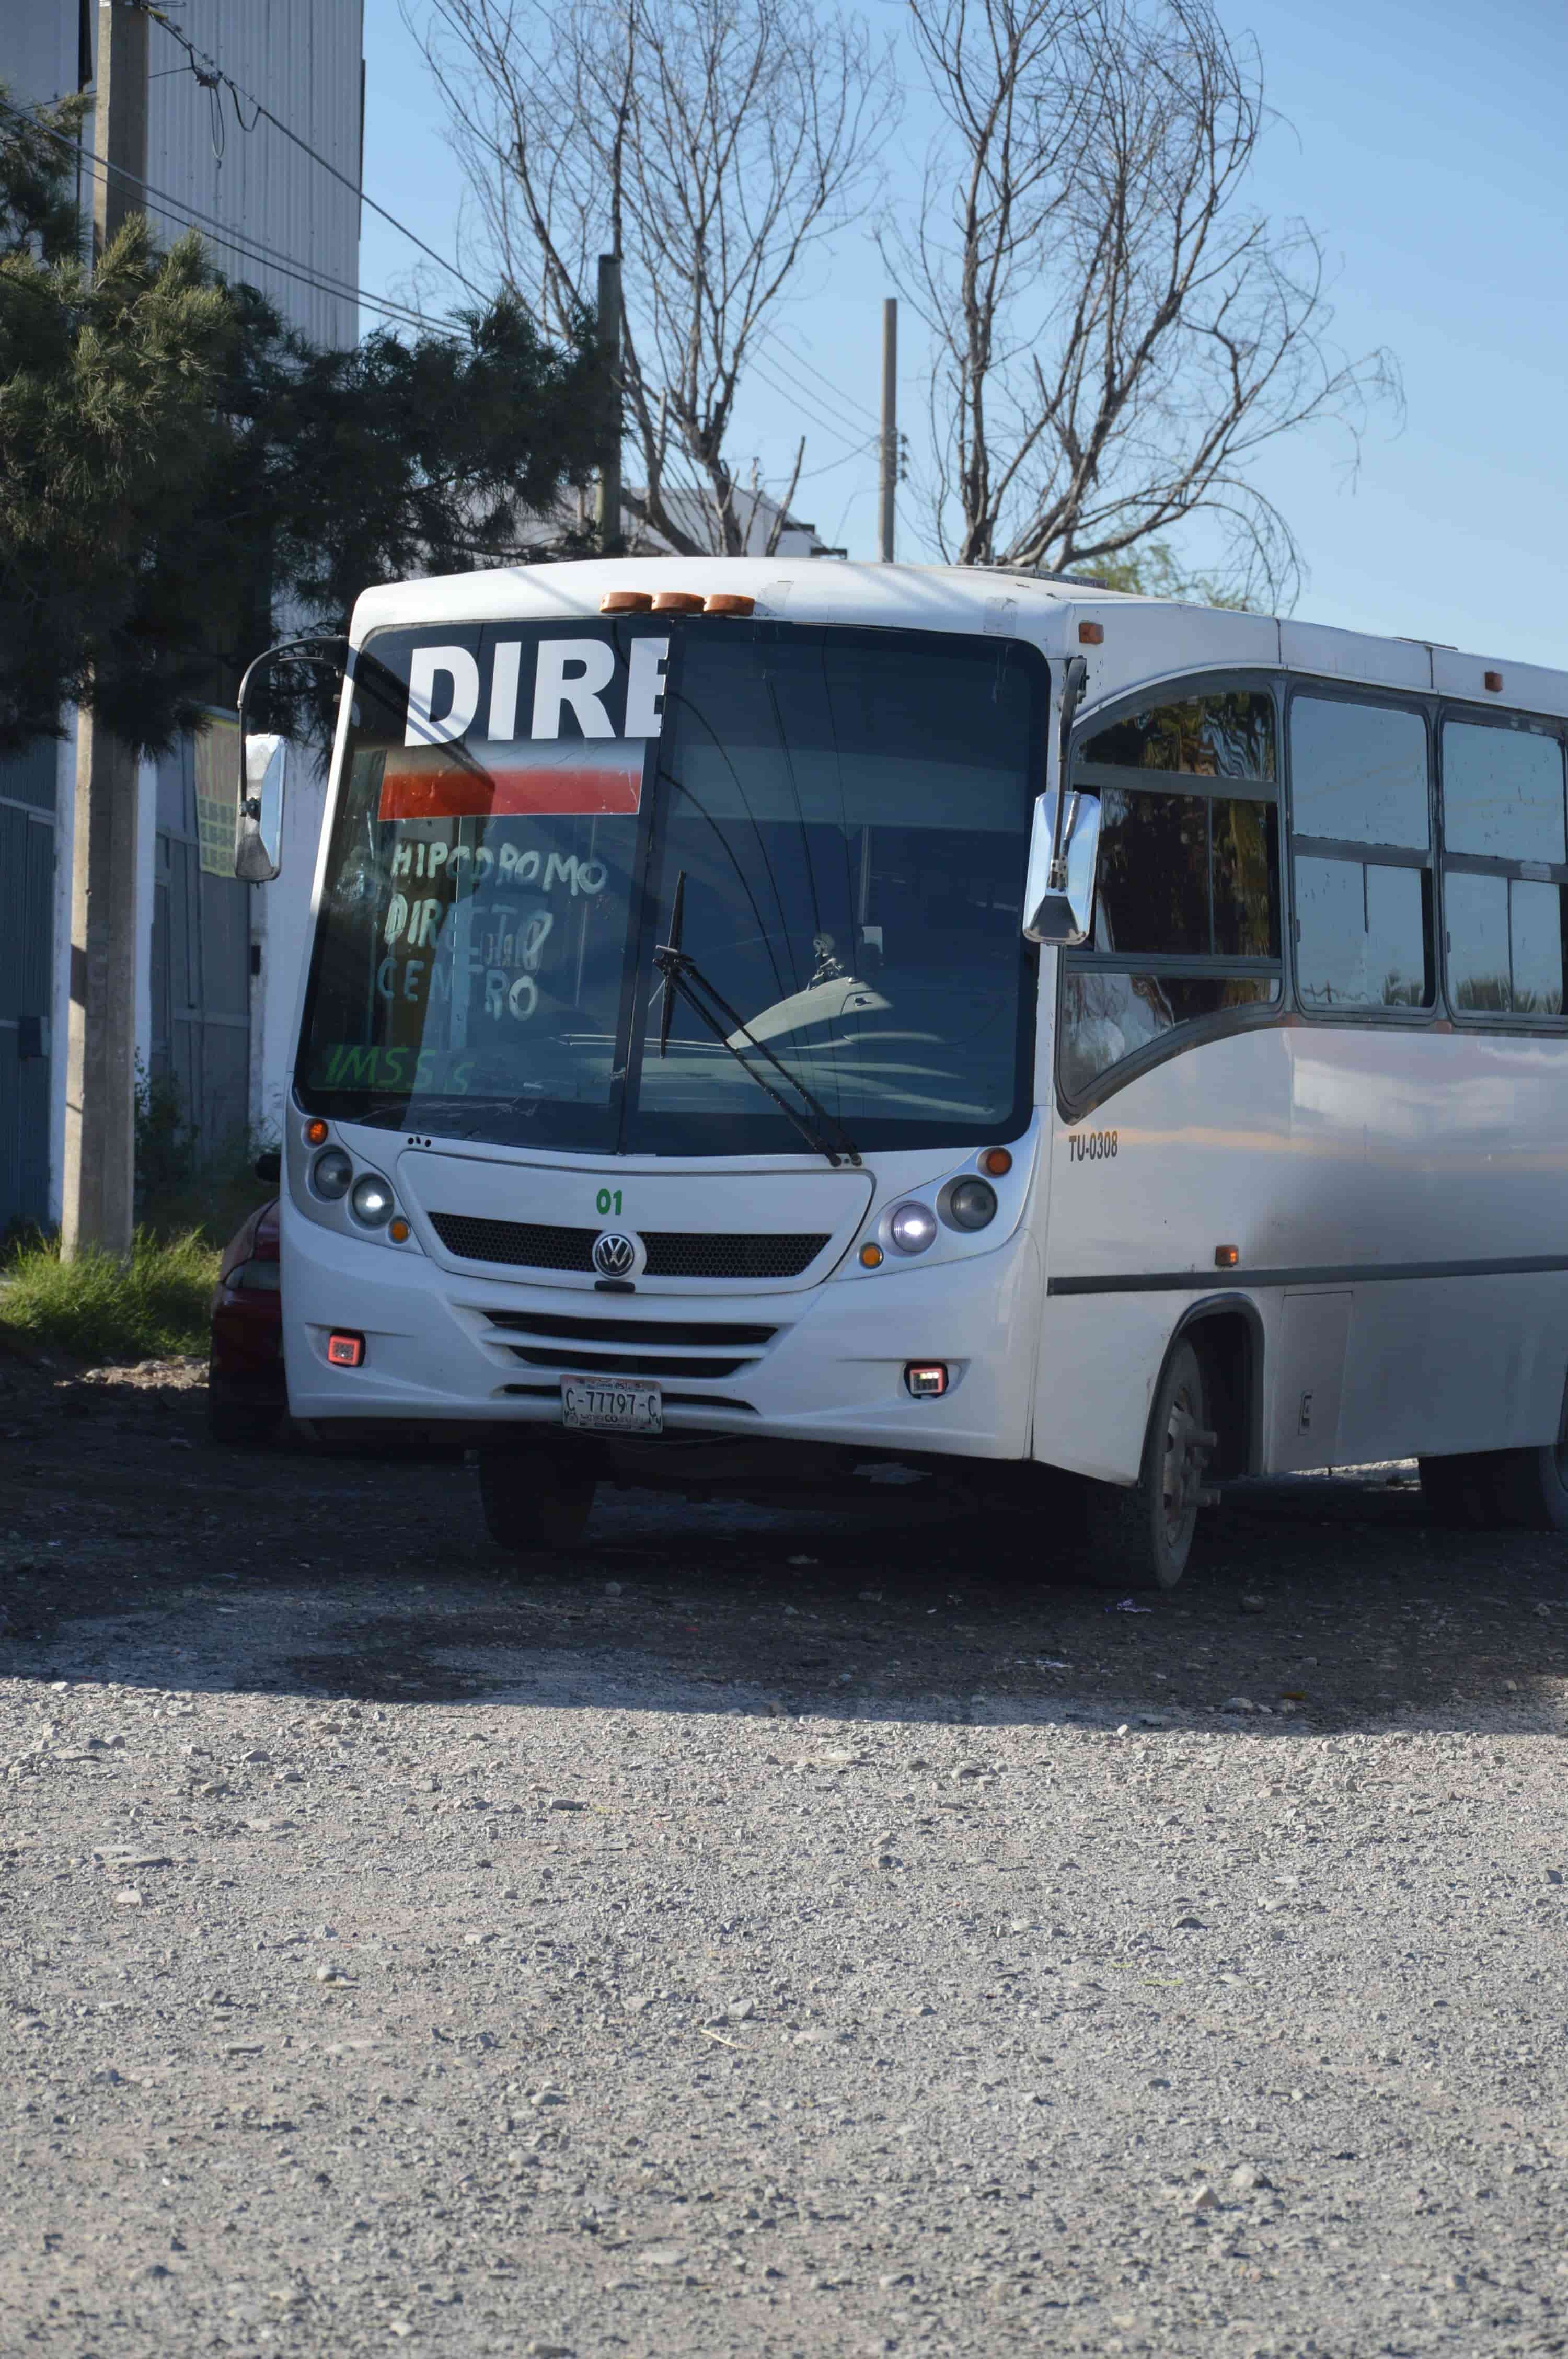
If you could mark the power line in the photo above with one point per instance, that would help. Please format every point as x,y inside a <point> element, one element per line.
<point>797,393</point>
<point>771,336</point>
<point>252,249</point>
<point>209,73</point>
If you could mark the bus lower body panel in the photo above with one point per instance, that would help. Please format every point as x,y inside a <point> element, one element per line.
<point>826,1365</point>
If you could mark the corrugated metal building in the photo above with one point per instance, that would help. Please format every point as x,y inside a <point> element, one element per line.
<point>217,960</point>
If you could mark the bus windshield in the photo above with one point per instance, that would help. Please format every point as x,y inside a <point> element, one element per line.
<point>844,814</point>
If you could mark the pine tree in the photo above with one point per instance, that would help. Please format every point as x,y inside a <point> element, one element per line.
<point>182,476</point>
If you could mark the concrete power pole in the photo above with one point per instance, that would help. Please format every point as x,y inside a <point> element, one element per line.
<point>100,1095</point>
<point>607,508</point>
<point>889,423</point>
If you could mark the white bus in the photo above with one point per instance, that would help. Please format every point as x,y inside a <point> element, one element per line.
<point>727,1061</point>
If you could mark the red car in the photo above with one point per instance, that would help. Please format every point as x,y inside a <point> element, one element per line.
<point>247,1393</point>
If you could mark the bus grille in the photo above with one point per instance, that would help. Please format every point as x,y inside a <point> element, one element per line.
<point>672,1253</point>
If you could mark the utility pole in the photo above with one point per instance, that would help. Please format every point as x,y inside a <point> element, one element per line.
<point>607,509</point>
<point>889,423</point>
<point>101,1051</point>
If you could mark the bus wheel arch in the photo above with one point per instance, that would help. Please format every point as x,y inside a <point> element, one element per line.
<point>1205,1418</point>
<point>1226,1330</point>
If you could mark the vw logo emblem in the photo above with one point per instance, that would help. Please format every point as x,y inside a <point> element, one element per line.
<point>613,1253</point>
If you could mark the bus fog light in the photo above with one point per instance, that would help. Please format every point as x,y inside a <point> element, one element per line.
<point>912,1227</point>
<point>346,1351</point>
<point>372,1200</point>
<point>971,1204</point>
<point>927,1379</point>
<point>330,1174</point>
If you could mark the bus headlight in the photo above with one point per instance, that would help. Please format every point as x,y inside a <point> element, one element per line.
<point>912,1227</point>
<point>971,1204</point>
<point>330,1174</point>
<point>371,1201</point>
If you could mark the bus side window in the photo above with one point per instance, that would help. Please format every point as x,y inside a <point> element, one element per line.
<point>1504,869</point>
<point>1361,838</point>
<point>1187,909</point>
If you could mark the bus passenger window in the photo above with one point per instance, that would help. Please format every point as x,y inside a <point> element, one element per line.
<point>1504,869</point>
<point>1363,935</point>
<point>1502,792</point>
<point>1188,883</point>
<point>1359,772</point>
<point>1363,925</point>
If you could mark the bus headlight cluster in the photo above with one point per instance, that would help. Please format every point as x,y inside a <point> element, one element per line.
<point>912,1227</point>
<point>371,1200</point>
<point>968,1203</point>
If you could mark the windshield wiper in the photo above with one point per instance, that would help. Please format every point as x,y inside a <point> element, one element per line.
<point>821,1131</point>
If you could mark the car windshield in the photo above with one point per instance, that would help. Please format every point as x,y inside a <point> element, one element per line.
<point>845,815</point>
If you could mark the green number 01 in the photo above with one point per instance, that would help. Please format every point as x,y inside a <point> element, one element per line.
<point>608,1201</point>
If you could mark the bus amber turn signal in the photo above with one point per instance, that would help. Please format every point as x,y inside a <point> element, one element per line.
<point>1225,1257</point>
<point>399,1230</point>
<point>870,1256</point>
<point>316,1133</point>
<point>996,1162</point>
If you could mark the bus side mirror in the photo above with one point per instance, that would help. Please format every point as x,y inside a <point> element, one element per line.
<point>263,756</point>
<point>1059,907</point>
<point>259,836</point>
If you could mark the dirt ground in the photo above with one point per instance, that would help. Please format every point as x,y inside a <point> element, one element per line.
<point>766,1934</point>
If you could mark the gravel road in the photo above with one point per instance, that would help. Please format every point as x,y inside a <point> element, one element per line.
<point>770,1935</point>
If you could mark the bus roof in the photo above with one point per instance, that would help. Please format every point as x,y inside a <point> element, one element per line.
<point>1144,639</point>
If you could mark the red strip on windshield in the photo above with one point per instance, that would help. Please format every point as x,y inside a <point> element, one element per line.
<point>575,780</point>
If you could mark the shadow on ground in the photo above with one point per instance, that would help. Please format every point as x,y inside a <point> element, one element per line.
<point>134,1551</point>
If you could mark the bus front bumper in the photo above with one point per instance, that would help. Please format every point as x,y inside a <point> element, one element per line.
<point>831,1369</point>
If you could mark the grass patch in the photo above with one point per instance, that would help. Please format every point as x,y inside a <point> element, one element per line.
<point>153,1307</point>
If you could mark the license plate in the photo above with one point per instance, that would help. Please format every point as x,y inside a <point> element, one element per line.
<point>592,1404</point>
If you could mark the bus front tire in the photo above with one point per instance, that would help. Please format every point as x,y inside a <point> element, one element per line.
<point>1141,1538</point>
<point>1465,1490</point>
<point>536,1501</point>
<point>1530,1488</point>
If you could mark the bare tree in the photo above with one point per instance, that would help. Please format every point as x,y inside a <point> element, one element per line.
<point>711,144</point>
<point>1118,331</point>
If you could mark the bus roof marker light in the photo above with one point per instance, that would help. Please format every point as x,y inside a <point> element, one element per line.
<point>1494,682</point>
<point>1091,634</point>
<point>727,601</point>
<point>1227,1256</point>
<point>678,601</point>
<point>626,601</point>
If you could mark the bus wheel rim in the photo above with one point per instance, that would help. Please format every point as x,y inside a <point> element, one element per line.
<point>1182,1473</point>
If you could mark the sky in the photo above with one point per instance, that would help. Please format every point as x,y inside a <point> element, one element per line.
<point>1423,143</point>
